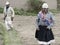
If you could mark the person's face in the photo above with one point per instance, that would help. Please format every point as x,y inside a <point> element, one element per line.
<point>45,10</point>
<point>8,5</point>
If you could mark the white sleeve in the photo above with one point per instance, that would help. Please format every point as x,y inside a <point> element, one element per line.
<point>12,12</point>
<point>4,12</point>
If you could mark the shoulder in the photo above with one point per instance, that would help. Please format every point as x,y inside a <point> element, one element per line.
<point>10,7</point>
<point>40,13</point>
<point>50,13</point>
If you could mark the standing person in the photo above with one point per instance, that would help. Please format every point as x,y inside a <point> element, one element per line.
<point>45,21</point>
<point>8,16</point>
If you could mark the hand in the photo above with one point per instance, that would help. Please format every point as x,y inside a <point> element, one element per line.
<point>3,18</point>
<point>37,28</point>
<point>11,18</point>
<point>49,27</point>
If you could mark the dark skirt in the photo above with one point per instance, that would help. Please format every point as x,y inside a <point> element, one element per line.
<point>44,34</point>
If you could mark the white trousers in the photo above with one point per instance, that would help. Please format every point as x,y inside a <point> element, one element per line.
<point>8,24</point>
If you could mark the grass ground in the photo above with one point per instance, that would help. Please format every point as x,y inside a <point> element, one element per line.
<point>9,37</point>
<point>29,13</point>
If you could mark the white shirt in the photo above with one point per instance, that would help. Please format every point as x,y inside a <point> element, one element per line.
<point>9,13</point>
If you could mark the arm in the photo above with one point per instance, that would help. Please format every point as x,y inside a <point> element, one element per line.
<point>5,15</point>
<point>12,17</point>
<point>52,21</point>
<point>37,22</point>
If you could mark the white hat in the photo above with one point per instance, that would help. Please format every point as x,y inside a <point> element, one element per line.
<point>7,3</point>
<point>45,5</point>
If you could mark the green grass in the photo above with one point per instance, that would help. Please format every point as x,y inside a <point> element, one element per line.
<point>1,34</point>
<point>1,10</point>
<point>9,37</point>
<point>24,13</point>
<point>29,13</point>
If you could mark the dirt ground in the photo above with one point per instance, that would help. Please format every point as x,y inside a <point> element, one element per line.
<point>25,25</point>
